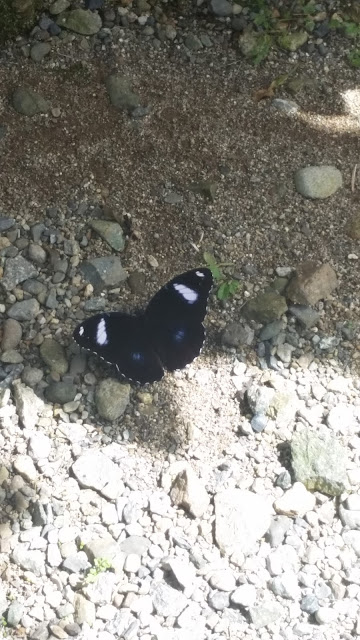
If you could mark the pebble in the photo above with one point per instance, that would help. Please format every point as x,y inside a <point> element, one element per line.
<point>112,398</point>
<point>12,333</point>
<point>25,310</point>
<point>318,182</point>
<point>296,501</point>
<point>53,355</point>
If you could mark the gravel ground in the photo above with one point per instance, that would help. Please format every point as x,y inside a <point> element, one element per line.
<point>223,502</point>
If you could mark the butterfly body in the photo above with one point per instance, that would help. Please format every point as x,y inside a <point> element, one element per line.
<point>168,335</point>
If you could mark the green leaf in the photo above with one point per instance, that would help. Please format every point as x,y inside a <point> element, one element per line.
<point>212,264</point>
<point>261,48</point>
<point>354,58</point>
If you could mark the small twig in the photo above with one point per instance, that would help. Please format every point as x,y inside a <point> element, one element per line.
<point>353,177</point>
<point>194,246</point>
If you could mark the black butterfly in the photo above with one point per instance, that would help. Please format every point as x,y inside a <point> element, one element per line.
<point>168,335</point>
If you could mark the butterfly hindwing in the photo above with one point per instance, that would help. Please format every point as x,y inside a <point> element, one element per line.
<point>122,340</point>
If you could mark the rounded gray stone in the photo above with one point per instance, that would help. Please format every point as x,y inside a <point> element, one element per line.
<point>112,397</point>
<point>25,310</point>
<point>12,333</point>
<point>53,355</point>
<point>318,182</point>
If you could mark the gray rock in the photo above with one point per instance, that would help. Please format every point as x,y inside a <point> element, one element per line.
<point>112,398</point>
<point>24,466</point>
<point>28,102</point>
<point>292,40</point>
<point>188,492</point>
<point>265,307</point>
<point>286,586</point>
<point>167,601</point>
<point>11,357</point>
<point>95,304</point>
<point>236,334</point>
<point>17,270</point>
<point>15,613</point>
<point>51,300</point>
<point>297,501</point>
<point>192,42</point>
<point>84,610</point>
<point>244,596</point>
<point>349,517</point>
<point>271,330</point>
<point>259,423</point>
<point>31,376</point>
<point>39,51</point>
<point>352,539</point>
<point>77,563</point>
<point>12,334</point>
<point>309,603</point>
<point>93,470</point>
<point>25,310</point>
<point>325,615</point>
<point>218,600</point>
<point>265,614</point>
<point>73,629</point>
<point>41,632</point>
<point>28,559</point>
<point>241,519</point>
<point>319,461</point>
<point>34,287</point>
<point>135,545</point>
<point>100,591</point>
<point>318,182</point>
<point>172,197</point>
<point>306,316</point>
<point>184,572</point>
<point>111,232</point>
<point>221,8</point>
<point>53,355</point>
<point>278,528</point>
<point>87,23</point>
<point>287,106</point>
<point>121,95</point>
<point>59,6</point>
<point>123,625</point>
<point>53,555</point>
<point>223,580</point>
<point>312,283</point>
<point>28,405</point>
<point>39,446</point>
<point>60,392</point>
<point>6,223</point>
<point>103,272</point>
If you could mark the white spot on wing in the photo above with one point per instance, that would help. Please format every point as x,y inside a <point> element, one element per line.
<point>81,331</point>
<point>101,333</point>
<point>188,294</point>
<point>199,274</point>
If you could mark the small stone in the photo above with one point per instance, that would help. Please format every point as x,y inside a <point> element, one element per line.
<point>16,271</point>
<point>241,518</point>
<point>223,580</point>
<point>60,392</point>
<point>103,272</point>
<point>264,614</point>
<point>184,572</point>
<point>168,601</point>
<point>6,223</point>
<point>278,528</point>
<point>53,355</point>
<point>84,610</point>
<point>11,357</point>
<point>39,51</point>
<point>15,613</point>
<point>265,308</point>
<point>310,604</point>
<point>244,596</point>
<point>28,103</point>
<point>221,8</point>
<point>292,40</point>
<point>287,106</point>
<point>132,563</point>
<point>306,316</point>
<point>218,600</point>
<point>312,283</point>
<point>94,470</point>
<point>135,545</point>
<point>192,42</point>
<point>87,23</point>
<point>111,232</point>
<point>236,334</point>
<point>188,491</point>
<point>25,310</point>
<point>319,461</point>
<point>325,615</point>
<point>31,376</point>
<point>73,629</point>
<point>12,334</point>
<point>318,182</point>
<point>28,404</point>
<point>29,560</point>
<point>121,95</point>
<point>296,501</point>
<point>24,466</point>
<point>286,586</point>
<point>112,398</point>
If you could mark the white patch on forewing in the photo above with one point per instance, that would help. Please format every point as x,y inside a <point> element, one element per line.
<point>199,274</point>
<point>81,331</point>
<point>188,294</point>
<point>101,333</point>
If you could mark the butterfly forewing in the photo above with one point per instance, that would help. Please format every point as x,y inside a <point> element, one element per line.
<point>122,340</point>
